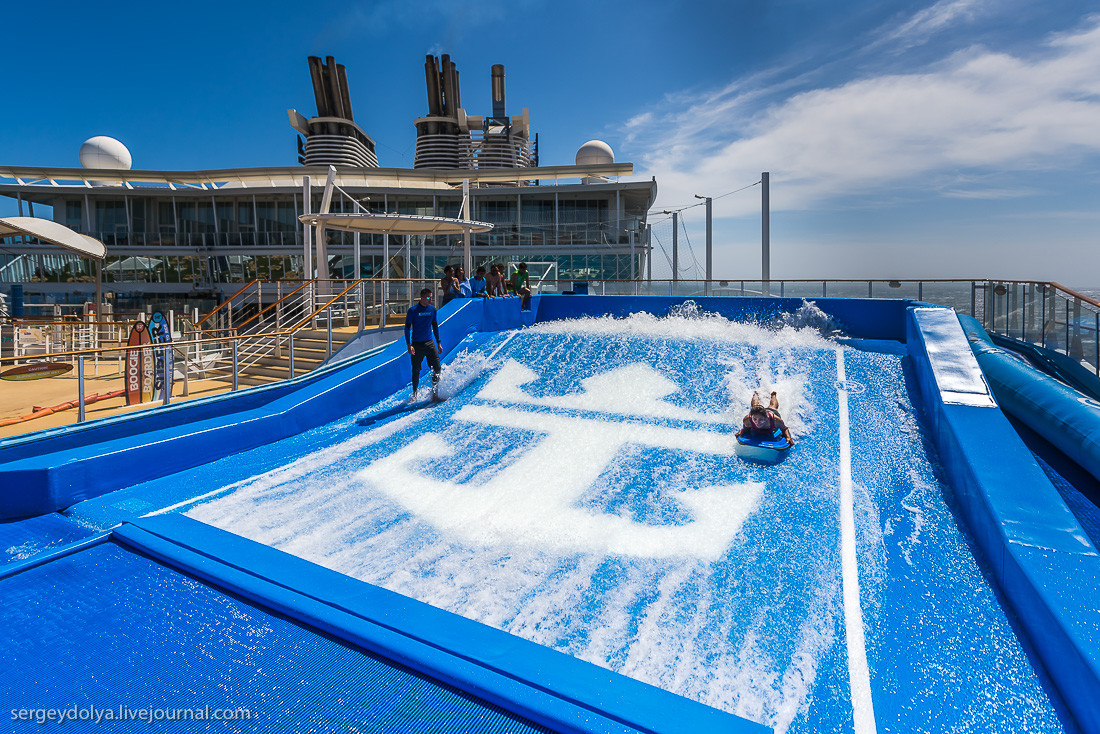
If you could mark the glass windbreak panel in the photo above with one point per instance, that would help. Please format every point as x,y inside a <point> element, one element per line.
<point>572,211</point>
<point>166,222</point>
<point>496,211</point>
<point>110,220</point>
<point>418,207</point>
<point>802,289</point>
<point>172,269</point>
<point>139,221</point>
<point>846,289</point>
<point>287,216</point>
<point>894,289</point>
<point>187,267</point>
<point>267,216</point>
<point>953,295</point>
<point>74,215</point>
<point>195,217</point>
<point>537,212</point>
<point>245,214</point>
<point>226,219</point>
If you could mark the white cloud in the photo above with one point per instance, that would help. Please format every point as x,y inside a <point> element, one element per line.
<point>933,19</point>
<point>978,110</point>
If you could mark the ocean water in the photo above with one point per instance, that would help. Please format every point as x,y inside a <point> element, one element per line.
<point>580,489</point>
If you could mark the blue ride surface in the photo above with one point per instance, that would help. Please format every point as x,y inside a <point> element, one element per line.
<point>579,490</point>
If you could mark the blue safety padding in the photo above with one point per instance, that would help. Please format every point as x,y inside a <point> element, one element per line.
<point>108,627</point>
<point>1060,366</point>
<point>535,682</point>
<point>1041,558</point>
<point>1057,412</point>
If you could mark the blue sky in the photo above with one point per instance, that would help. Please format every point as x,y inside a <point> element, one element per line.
<point>958,138</point>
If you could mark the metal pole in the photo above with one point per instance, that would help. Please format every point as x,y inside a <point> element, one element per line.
<point>362,304</point>
<point>292,354</point>
<point>307,231</point>
<point>710,243</point>
<point>675,247</point>
<point>358,256</point>
<point>649,254</point>
<point>234,365</point>
<point>467,257</point>
<point>765,229</point>
<point>80,388</point>
<point>167,374</point>
<point>98,289</point>
<point>633,264</point>
<point>329,331</point>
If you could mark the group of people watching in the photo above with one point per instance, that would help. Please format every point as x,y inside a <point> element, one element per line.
<point>485,284</point>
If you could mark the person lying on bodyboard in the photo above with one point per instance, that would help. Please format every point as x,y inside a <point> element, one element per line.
<point>764,423</point>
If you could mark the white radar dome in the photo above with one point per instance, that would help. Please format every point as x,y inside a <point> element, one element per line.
<point>105,153</point>
<point>595,153</point>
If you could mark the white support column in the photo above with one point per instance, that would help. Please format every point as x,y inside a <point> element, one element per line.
<point>358,257</point>
<point>307,231</point>
<point>467,256</point>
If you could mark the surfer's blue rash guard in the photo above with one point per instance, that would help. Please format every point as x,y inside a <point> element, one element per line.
<point>421,324</point>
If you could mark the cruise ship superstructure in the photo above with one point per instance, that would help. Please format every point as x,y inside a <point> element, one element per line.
<point>188,237</point>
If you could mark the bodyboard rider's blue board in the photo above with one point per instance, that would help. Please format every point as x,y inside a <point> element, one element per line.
<point>770,449</point>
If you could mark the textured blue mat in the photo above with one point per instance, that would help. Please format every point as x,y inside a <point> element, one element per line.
<point>109,628</point>
<point>23,540</point>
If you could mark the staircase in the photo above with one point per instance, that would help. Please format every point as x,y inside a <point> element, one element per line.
<point>310,350</point>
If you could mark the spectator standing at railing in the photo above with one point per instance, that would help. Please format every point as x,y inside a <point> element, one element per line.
<point>421,325</point>
<point>449,285</point>
<point>461,286</point>
<point>521,285</point>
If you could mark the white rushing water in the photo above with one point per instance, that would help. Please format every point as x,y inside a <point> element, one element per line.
<point>579,489</point>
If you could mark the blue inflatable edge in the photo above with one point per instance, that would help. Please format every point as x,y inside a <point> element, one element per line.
<point>1040,557</point>
<point>532,681</point>
<point>54,469</point>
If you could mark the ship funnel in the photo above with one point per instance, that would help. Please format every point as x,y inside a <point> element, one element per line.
<point>499,109</point>
<point>332,138</point>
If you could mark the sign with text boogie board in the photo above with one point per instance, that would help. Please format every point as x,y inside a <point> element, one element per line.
<point>139,365</point>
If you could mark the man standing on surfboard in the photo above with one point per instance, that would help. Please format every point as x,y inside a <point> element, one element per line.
<point>420,326</point>
<point>764,422</point>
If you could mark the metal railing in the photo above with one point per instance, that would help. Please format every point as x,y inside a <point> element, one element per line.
<point>1046,314</point>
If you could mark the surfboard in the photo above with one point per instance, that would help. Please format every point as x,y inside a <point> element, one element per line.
<point>770,450</point>
<point>164,359</point>
<point>148,368</point>
<point>36,371</point>
<point>135,358</point>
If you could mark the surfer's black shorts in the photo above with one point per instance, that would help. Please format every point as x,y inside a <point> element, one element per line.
<point>422,350</point>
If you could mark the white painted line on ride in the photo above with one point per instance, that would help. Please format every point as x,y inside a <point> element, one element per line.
<point>501,345</point>
<point>859,676</point>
